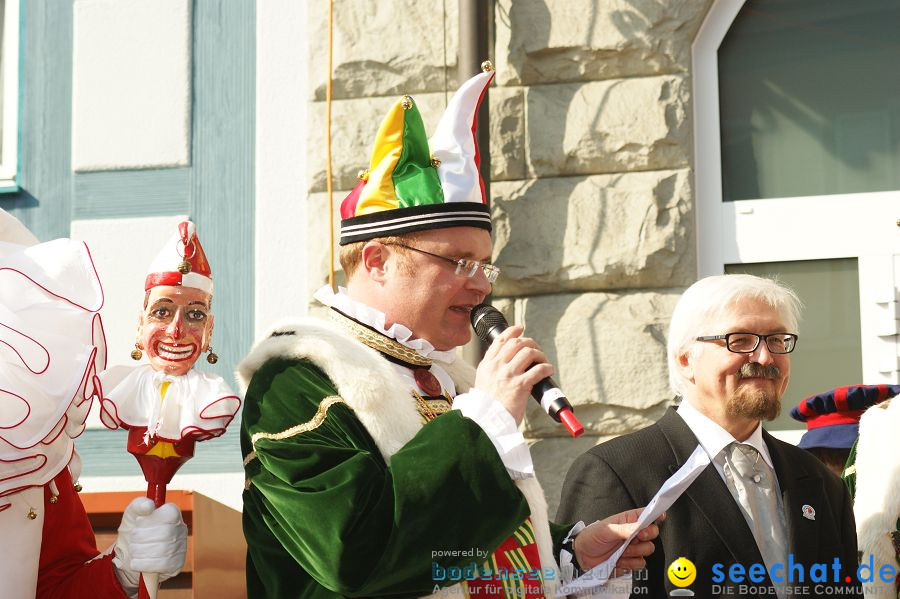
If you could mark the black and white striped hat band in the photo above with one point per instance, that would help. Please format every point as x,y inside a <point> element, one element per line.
<point>416,218</point>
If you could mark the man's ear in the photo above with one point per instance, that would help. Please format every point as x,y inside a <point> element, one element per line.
<point>685,365</point>
<point>374,258</point>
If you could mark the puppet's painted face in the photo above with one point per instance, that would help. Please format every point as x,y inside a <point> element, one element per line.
<point>175,327</point>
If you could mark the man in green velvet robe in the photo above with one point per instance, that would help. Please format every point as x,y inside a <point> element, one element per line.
<point>377,463</point>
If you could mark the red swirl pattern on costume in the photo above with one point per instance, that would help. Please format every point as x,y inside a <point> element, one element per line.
<point>18,348</point>
<point>51,348</point>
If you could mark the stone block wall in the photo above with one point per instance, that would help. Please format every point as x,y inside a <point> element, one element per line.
<point>591,159</point>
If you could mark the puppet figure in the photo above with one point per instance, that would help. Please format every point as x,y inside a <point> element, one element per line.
<point>166,405</point>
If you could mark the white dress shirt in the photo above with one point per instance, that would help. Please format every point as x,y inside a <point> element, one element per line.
<point>714,439</point>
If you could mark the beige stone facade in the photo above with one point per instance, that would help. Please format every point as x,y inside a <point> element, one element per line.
<point>592,180</point>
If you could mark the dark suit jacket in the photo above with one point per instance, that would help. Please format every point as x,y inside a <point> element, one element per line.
<point>705,525</point>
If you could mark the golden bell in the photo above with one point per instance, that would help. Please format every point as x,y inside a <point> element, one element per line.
<point>54,498</point>
<point>77,487</point>
<point>435,162</point>
<point>487,66</point>
<point>406,102</point>
<point>136,354</point>
<point>31,515</point>
<point>185,267</point>
<point>213,357</point>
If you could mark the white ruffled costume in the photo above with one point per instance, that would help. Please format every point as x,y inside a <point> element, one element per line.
<point>51,349</point>
<point>197,404</point>
<point>47,379</point>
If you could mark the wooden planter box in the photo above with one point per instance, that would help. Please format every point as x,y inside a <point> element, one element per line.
<point>216,551</point>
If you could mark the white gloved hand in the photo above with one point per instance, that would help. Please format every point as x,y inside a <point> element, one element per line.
<point>150,540</point>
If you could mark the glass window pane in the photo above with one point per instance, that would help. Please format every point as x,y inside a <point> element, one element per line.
<point>829,353</point>
<point>809,95</point>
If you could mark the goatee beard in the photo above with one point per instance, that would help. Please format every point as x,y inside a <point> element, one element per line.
<point>756,404</point>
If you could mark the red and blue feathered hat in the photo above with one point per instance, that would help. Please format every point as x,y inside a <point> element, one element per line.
<point>408,187</point>
<point>832,418</point>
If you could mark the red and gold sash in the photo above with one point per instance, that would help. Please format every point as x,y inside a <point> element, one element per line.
<point>513,571</point>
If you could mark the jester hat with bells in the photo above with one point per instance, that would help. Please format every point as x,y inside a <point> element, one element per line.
<point>181,262</point>
<point>409,188</point>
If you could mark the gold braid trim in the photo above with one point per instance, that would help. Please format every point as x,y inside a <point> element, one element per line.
<point>314,423</point>
<point>379,342</point>
<point>429,409</point>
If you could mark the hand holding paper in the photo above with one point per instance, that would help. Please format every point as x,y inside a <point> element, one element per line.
<point>599,573</point>
<point>597,543</point>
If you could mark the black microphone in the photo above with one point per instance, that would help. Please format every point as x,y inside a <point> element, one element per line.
<point>488,323</point>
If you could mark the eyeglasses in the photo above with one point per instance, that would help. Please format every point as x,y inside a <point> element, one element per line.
<point>746,343</point>
<point>463,266</point>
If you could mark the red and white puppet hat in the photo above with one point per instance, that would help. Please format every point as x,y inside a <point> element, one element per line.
<point>181,262</point>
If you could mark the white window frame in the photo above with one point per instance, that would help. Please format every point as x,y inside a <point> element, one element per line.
<point>9,141</point>
<point>860,225</point>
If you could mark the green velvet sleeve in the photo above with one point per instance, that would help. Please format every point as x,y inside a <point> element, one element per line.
<point>347,520</point>
<point>558,533</point>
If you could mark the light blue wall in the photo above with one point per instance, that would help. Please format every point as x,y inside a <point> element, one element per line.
<point>217,190</point>
<point>44,202</point>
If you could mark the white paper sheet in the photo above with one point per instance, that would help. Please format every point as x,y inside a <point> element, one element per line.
<point>670,490</point>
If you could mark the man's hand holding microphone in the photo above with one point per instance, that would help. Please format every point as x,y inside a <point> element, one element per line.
<point>514,367</point>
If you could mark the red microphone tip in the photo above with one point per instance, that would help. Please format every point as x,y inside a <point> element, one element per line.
<point>568,419</point>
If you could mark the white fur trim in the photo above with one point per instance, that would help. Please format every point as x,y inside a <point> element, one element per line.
<point>367,382</point>
<point>877,501</point>
<point>537,503</point>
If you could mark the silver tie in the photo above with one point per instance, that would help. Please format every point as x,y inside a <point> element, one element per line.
<point>753,485</point>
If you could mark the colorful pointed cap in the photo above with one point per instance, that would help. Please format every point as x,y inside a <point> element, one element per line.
<point>181,262</point>
<point>409,188</point>
<point>832,417</point>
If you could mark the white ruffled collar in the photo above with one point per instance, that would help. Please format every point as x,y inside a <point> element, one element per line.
<point>198,404</point>
<point>342,302</point>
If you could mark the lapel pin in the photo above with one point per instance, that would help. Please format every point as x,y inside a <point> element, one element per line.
<point>808,512</point>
